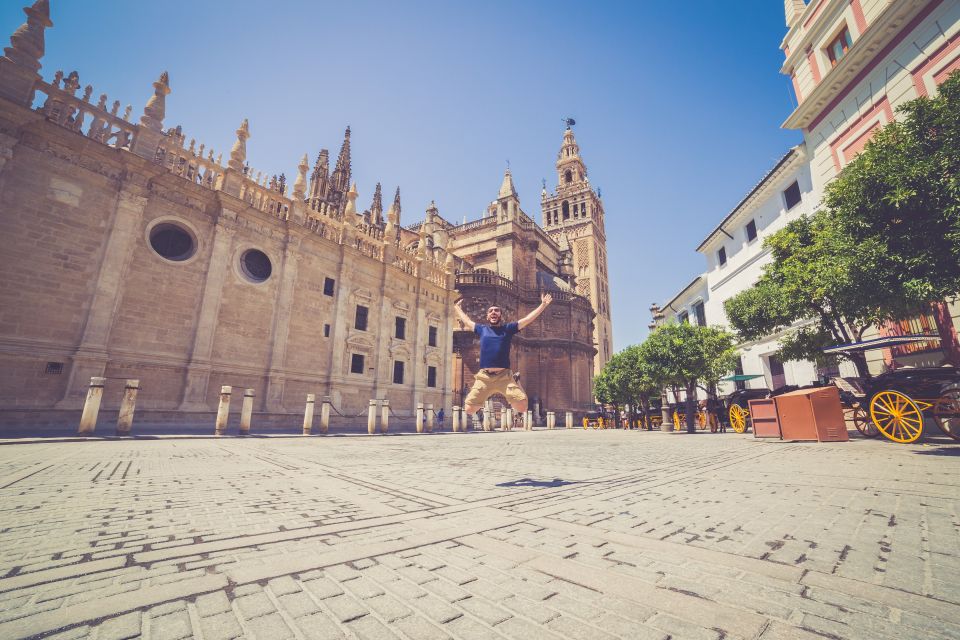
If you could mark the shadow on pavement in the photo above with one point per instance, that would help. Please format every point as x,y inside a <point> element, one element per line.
<point>529,482</point>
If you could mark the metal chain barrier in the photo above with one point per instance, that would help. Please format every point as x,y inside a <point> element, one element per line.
<point>343,415</point>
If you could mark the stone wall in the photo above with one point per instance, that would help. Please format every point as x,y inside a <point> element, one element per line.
<point>84,288</point>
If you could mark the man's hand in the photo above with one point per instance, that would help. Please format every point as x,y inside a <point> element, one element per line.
<point>545,300</point>
<point>462,316</point>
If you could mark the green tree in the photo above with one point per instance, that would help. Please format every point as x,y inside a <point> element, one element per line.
<point>684,355</point>
<point>626,380</point>
<point>902,194</point>
<point>886,245</point>
<point>818,278</point>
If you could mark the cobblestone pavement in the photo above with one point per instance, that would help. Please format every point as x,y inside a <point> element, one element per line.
<point>562,534</point>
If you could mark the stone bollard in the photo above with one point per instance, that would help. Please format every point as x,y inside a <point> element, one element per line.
<point>246,411</point>
<point>384,415</point>
<point>325,414</point>
<point>504,425</point>
<point>127,406</point>
<point>488,416</point>
<point>569,420</point>
<point>223,411</point>
<point>528,421</point>
<point>536,413</point>
<point>372,418</point>
<point>308,414</point>
<point>419,417</point>
<point>91,407</point>
<point>430,418</point>
<point>455,413</point>
<point>551,419</point>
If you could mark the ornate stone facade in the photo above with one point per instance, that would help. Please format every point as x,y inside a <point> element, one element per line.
<point>573,216</point>
<point>133,251</point>
<point>512,261</point>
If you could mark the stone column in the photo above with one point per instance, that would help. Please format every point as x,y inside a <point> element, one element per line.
<point>308,414</point>
<point>384,415</point>
<point>430,416</point>
<point>455,414</point>
<point>246,412</point>
<point>569,420</point>
<point>223,411</point>
<point>281,323</point>
<point>507,422</point>
<point>528,421</point>
<point>551,419</point>
<point>372,418</point>
<point>90,358</point>
<point>325,415</point>
<point>91,408</point>
<point>127,407</point>
<point>198,370</point>
<point>340,323</point>
<point>419,417</point>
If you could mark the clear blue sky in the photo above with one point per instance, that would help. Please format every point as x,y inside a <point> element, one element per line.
<point>678,107</point>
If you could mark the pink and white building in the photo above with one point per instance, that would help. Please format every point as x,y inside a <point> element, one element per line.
<point>852,63</point>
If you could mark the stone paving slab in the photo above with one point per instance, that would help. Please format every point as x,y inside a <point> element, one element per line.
<point>562,534</point>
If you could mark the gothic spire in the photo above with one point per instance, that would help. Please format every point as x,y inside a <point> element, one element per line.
<point>376,207</point>
<point>300,184</point>
<point>19,67</point>
<point>156,108</point>
<point>396,207</point>
<point>507,189</point>
<point>320,178</point>
<point>340,178</point>
<point>238,154</point>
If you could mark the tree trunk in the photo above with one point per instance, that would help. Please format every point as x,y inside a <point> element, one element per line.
<point>859,360</point>
<point>691,406</point>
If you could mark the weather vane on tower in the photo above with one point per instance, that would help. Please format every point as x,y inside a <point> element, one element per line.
<point>570,122</point>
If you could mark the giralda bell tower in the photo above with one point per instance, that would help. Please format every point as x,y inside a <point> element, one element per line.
<point>575,211</point>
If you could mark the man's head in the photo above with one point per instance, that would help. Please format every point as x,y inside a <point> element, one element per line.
<point>494,315</point>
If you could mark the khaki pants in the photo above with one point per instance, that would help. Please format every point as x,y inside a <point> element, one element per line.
<point>486,384</point>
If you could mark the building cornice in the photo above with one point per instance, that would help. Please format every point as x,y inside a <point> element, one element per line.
<point>798,49</point>
<point>693,283</point>
<point>795,157</point>
<point>868,51</point>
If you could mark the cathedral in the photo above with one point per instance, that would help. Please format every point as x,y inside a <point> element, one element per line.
<point>135,252</point>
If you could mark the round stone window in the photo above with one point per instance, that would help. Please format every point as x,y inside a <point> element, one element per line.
<point>173,242</point>
<point>255,265</point>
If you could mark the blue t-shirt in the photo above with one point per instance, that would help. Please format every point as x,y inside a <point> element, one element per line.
<point>495,344</point>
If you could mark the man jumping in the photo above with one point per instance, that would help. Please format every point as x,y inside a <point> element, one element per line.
<point>495,375</point>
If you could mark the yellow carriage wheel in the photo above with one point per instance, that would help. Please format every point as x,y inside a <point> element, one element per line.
<point>738,418</point>
<point>946,413</point>
<point>598,424</point>
<point>896,416</point>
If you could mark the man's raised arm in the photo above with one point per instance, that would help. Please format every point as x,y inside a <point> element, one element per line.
<point>545,301</point>
<point>462,316</point>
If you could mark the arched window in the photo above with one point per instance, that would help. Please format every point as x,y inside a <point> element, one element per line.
<point>568,176</point>
<point>566,210</point>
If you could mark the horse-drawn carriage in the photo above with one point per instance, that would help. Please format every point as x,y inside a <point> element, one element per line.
<point>899,403</point>
<point>896,403</point>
